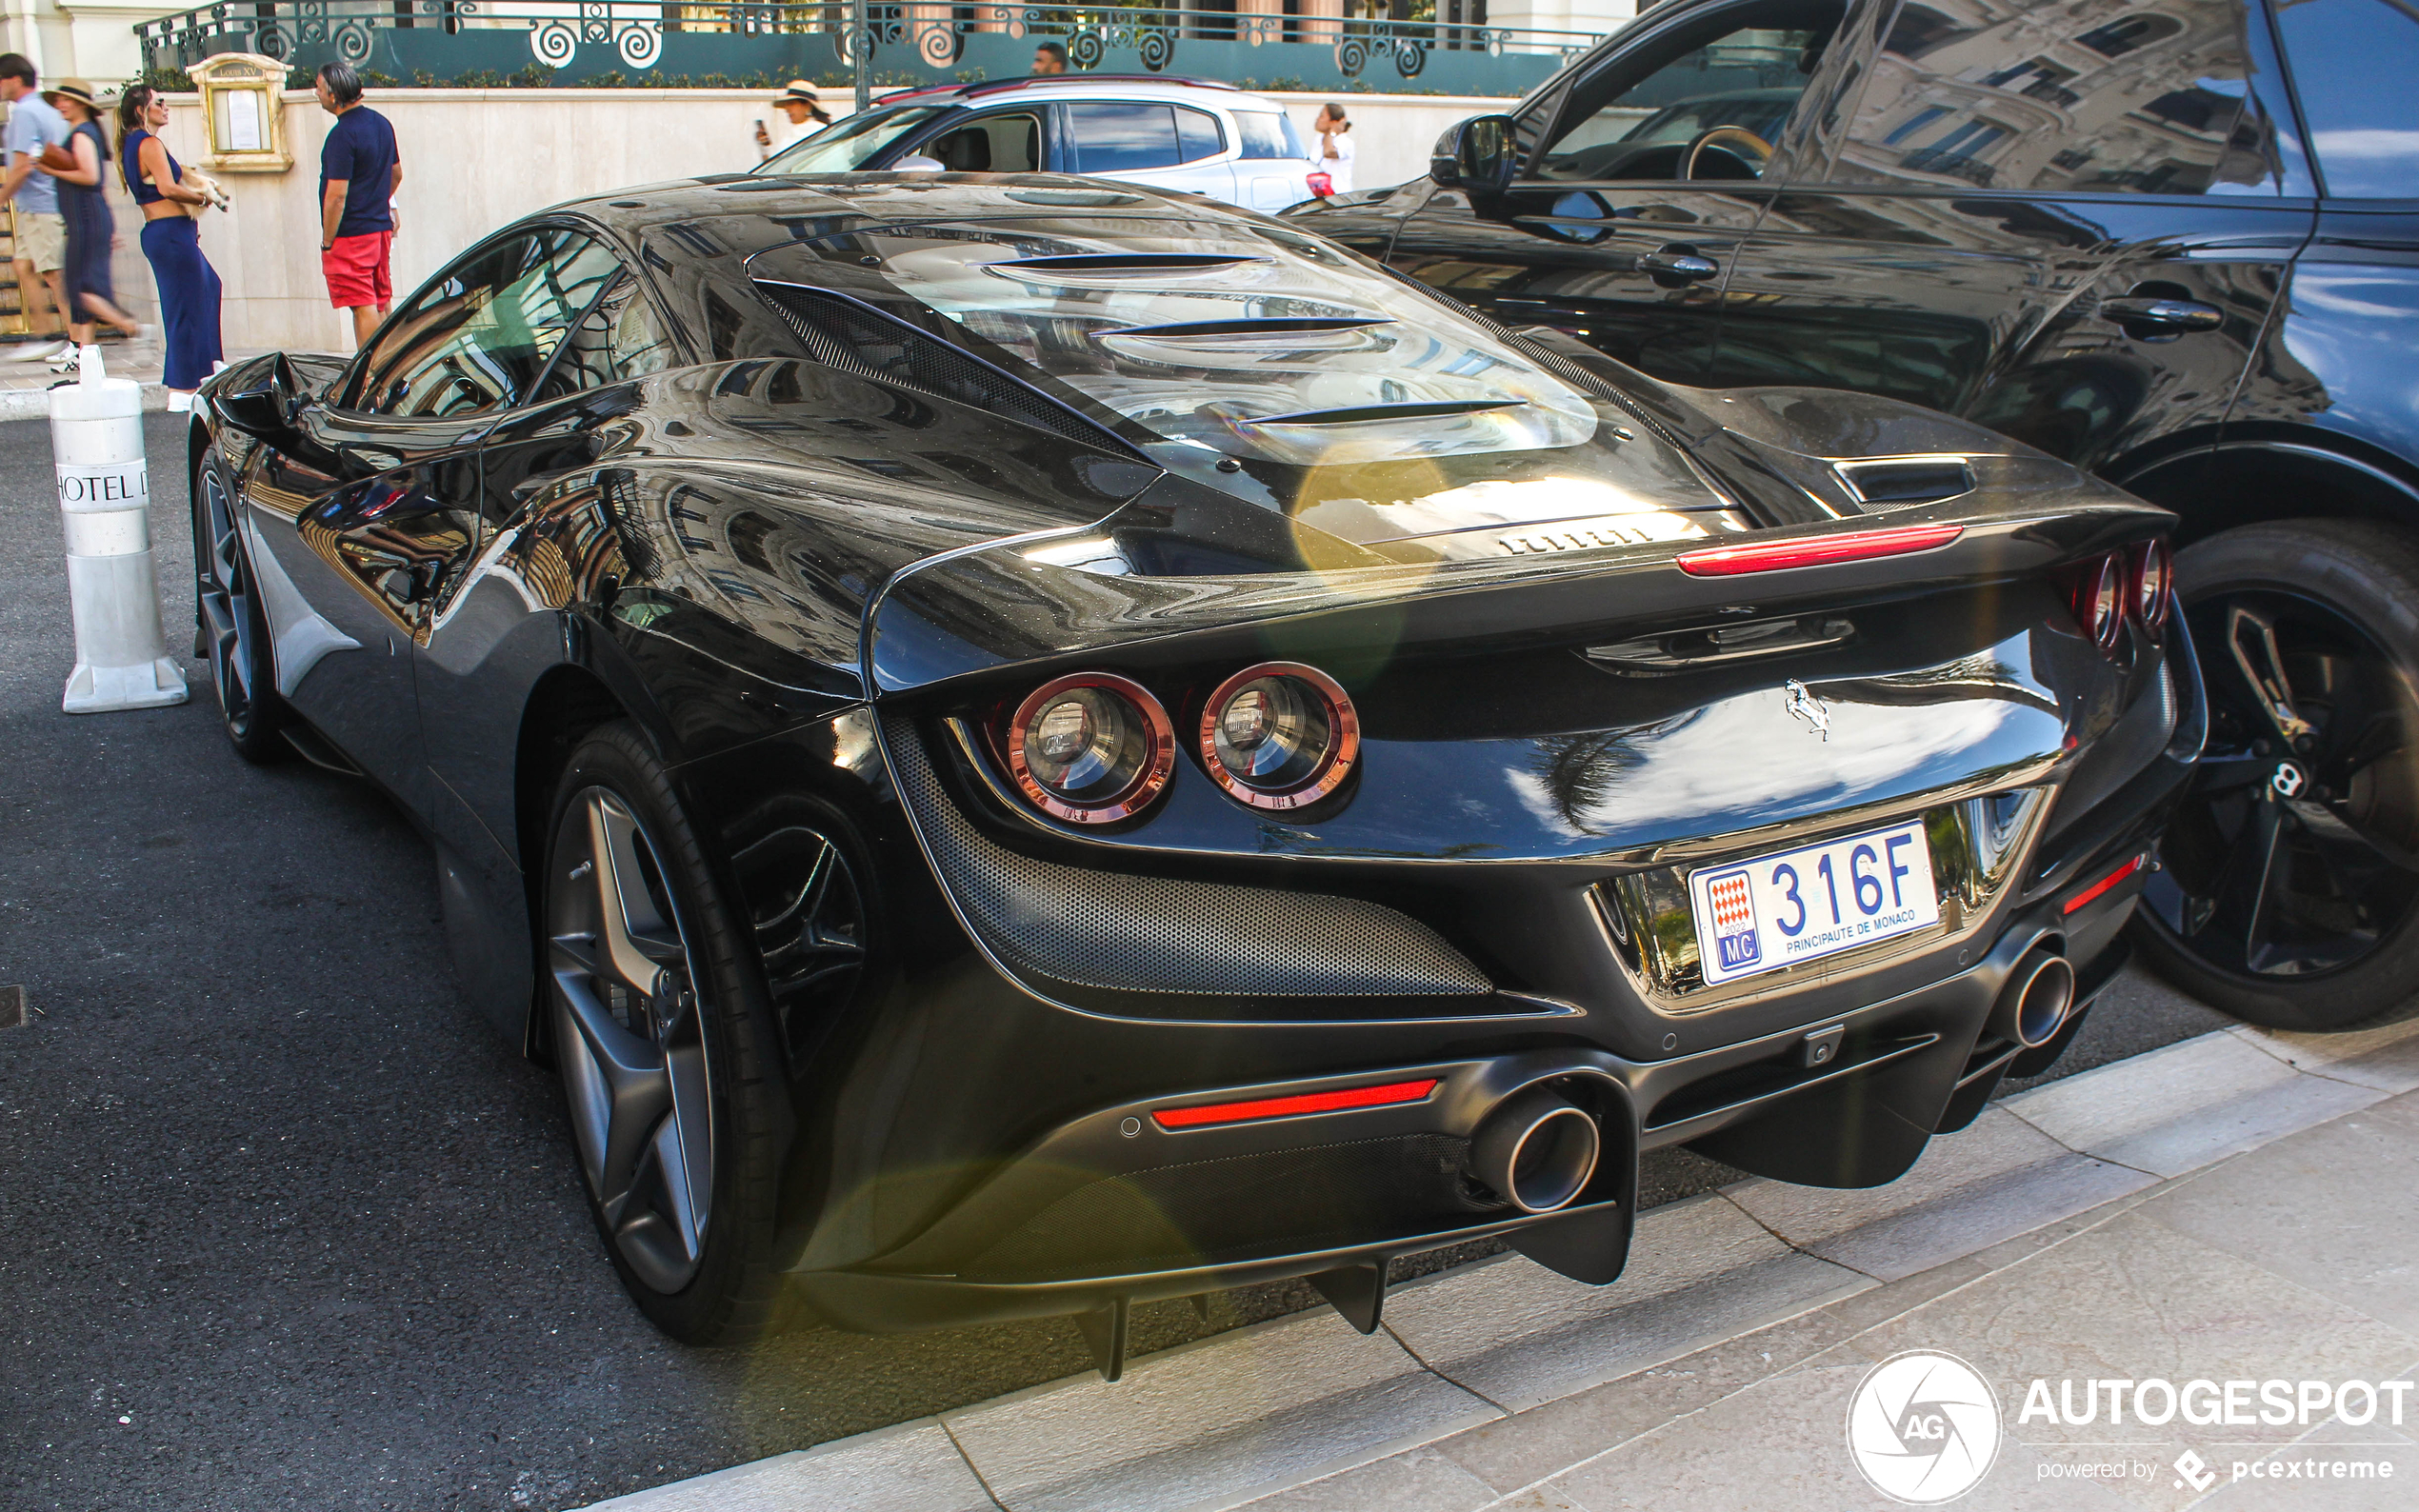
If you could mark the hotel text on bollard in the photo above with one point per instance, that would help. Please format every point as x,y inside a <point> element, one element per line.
<point>105,498</point>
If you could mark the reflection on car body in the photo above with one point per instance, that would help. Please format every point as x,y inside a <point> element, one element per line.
<point>1035,684</point>
<point>2168,240</point>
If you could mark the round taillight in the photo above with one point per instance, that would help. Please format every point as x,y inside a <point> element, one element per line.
<point>2099,598</point>
<point>1091,748</point>
<point>1279,735</point>
<point>2151,577</point>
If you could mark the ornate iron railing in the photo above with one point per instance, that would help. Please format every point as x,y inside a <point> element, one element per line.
<point>581,41</point>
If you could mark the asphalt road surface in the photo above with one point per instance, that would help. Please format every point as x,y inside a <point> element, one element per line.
<point>282,1224</point>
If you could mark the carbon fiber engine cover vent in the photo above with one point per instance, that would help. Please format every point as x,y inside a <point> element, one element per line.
<point>1117,933</point>
<point>849,336</point>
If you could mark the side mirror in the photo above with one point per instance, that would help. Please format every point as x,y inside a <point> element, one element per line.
<point>1477,154</point>
<point>266,411</point>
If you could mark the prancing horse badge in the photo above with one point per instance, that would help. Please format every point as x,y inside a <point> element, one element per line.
<point>1809,708</point>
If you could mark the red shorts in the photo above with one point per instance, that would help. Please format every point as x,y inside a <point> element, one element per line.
<point>356,270</point>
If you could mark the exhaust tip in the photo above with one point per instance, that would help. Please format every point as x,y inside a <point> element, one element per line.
<point>1537,1150</point>
<point>2033,1007</point>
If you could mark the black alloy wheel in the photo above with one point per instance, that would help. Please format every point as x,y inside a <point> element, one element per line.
<point>662,1039</point>
<point>229,627</point>
<point>2289,890</point>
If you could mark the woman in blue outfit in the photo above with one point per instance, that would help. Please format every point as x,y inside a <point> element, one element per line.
<point>171,241</point>
<point>83,205</point>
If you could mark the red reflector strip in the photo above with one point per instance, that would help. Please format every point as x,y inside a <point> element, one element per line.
<point>2102,885</point>
<point>1854,546</point>
<point>1286,1107</point>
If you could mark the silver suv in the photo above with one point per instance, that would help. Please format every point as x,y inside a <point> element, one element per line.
<point>1188,135</point>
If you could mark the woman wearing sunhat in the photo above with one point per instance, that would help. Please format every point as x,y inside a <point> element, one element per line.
<point>801,117</point>
<point>83,205</point>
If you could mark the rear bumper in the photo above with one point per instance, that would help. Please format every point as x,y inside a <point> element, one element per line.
<point>1016,1162</point>
<point>1111,1208</point>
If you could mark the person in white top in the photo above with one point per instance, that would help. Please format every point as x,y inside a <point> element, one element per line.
<point>1335,147</point>
<point>802,116</point>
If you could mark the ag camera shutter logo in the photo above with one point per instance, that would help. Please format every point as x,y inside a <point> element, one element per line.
<point>1923,1427</point>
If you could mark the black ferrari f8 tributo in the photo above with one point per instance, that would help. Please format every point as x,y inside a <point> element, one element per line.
<point>1026,746</point>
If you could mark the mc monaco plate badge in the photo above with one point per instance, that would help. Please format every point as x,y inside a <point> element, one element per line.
<point>1817,901</point>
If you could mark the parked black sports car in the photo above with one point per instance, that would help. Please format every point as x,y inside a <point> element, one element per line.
<point>1025,747</point>
<point>2174,242</point>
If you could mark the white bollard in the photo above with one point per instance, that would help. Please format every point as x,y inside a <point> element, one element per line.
<point>105,501</point>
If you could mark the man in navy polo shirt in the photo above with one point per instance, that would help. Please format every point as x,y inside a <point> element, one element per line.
<point>359,172</point>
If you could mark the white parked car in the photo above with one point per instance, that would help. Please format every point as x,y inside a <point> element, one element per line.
<point>1188,135</point>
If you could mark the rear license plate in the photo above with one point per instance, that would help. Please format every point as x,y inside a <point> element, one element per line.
<point>1804,904</point>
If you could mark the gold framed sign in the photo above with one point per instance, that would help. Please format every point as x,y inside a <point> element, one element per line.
<point>244,113</point>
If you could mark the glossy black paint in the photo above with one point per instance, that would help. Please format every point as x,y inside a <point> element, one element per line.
<point>813,583</point>
<point>2163,240</point>
<point>1999,304</point>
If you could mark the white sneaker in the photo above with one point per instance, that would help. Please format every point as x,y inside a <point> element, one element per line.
<point>66,361</point>
<point>179,402</point>
<point>41,350</point>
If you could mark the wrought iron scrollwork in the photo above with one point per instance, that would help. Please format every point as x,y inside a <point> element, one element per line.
<point>640,43</point>
<point>906,40</point>
<point>936,43</point>
<point>553,44</point>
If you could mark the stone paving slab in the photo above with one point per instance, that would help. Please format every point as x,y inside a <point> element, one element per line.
<point>2385,1057</point>
<point>2330,1209</point>
<point>912,1467</point>
<point>2130,1299</point>
<point>1519,1335</point>
<point>24,386</point>
<point>2192,1280</point>
<point>2001,1178</point>
<point>1778,1447</point>
<point>2241,1204</point>
<point>1211,1423</point>
<point>2233,1096</point>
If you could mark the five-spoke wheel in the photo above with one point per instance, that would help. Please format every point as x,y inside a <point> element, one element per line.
<point>629,1041</point>
<point>2290,893</point>
<point>230,628</point>
<point>669,1044</point>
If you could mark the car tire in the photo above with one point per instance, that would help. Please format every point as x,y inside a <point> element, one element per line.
<point>2288,889</point>
<point>230,629</point>
<point>662,1075</point>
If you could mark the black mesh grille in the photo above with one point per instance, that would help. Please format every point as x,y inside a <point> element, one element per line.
<point>1314,1197</point>
<point>1112,930</point>
<point>1902,483</point>
<point>849,336</point>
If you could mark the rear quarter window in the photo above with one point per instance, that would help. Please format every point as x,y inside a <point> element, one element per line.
<point>1267,134</point>
<point>1198,133</point>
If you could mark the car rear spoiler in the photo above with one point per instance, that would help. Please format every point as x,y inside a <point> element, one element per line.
<point>1025,603</point>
